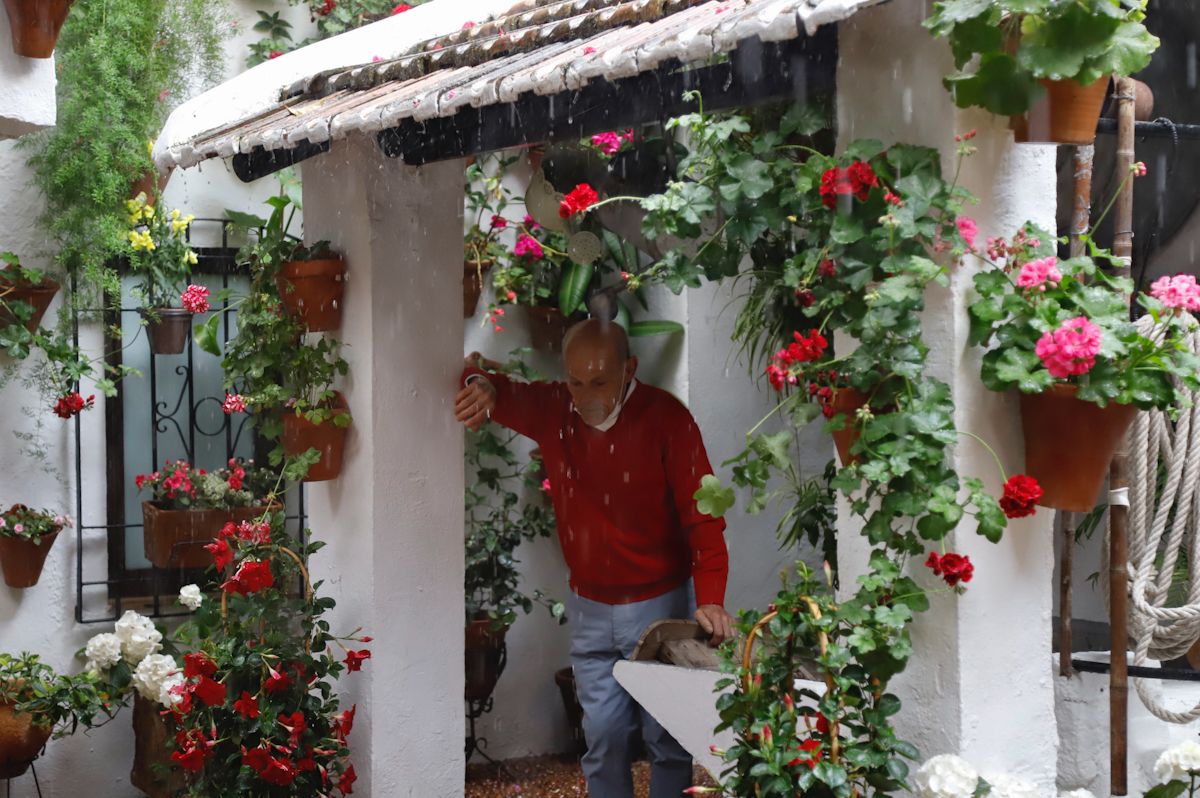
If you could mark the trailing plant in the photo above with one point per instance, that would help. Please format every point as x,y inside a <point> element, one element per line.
<point>159,252</point>
<point>25,523</point>
<point>55,702</point>
<point>179,486</point>
<point>487,197</point>
<point>846,243</point>
<point>499,519</point>
<point>1003,48</point>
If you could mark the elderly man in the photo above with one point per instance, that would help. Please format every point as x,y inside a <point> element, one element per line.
<point>624,461</point>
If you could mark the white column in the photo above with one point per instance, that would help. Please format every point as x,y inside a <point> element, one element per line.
<point>978,684</point>
<point>393,521</point>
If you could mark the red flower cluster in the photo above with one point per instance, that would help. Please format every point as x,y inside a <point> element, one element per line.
<point>175,478</point>
<point>953,568</point>
<point>237,474</point>
<point>251,577</point>
<point>827,268</point>
<point>578,200</point>
<point>400,9</point>
<point>195,299</point>
<point>72,404</point>
<point>1021,494</point>
<point>354,660</point>
<point>804,348</point>
<point>326,8</point>
<point>221,553</point>
<point>246,706</point>
<point>343,723</point>
<point>858,179</point>
<point>811,753</point>
<point>234,403</point>
<point>255,532</point>
<point>193,749</point>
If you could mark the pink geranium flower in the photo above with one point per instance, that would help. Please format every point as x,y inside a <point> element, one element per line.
<point>195,299</point>
<point>1178,292</point>
<point>1037,274</point>
<point>1071,349</point>
<point>608,143</point>
<point>968,230</point>
<point>528,246</point>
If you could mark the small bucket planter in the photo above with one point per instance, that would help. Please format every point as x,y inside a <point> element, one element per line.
<point>22,560</point>
<point>473,272</point>
<point>35,25</point>
<point>312,292</point>
<point>1067,114</point>
<point>547,326</point>
<point>484,658</point>
<point>167,329</point>
<point>176,538</point>
<point>21,742</point>
<point>39,295</point>
<point>300,435</point>
<point>153,771</point>
<point>1069,443</point>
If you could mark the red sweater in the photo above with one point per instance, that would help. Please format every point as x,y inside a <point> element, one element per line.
<point>623,499</point>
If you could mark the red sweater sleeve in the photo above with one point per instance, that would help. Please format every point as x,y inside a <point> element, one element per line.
<point>527,408</point>
<point>686,464</point>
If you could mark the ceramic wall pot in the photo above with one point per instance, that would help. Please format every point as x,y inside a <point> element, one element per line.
<point>35,25</point>
<point>300,435</point>
<point>312,291</point>
<point>22,561</point>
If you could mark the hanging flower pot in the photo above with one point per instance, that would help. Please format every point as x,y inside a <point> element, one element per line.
<point>22,560</point>
<point>1069,443</point>
<point>1067,114</point>
<point>153,771</point>
<point>547,326</point>
<point>300,435</point>
<point>20,741</point>
<point>167,329</point>
<point>848,401</point>
<point>152,184</point>
<point>473,272</point>
<point>176,538</point>
<point>40,295</point>
<point>484,658</point>
<point>35,25</point>
<point>312,291</point>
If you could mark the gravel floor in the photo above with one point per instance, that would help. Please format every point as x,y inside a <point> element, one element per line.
<point>547,777</point>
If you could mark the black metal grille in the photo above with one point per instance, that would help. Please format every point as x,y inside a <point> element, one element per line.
<point>184,419</point>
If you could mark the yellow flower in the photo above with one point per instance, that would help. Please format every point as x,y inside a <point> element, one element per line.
<point>191,258</point>
<point>175,214</point>
<point>135,219</point>
<point>148,212</point>
<point>149,147</point>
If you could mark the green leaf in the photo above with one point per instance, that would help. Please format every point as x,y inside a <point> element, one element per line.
<point>846,229</point>
<point>206,335</point>
<point>575,281</point>
<point>1172,789</point>
<point>640,329</point>
<point>999,86</point>
<point>712,498</point>
<point>247,221</point>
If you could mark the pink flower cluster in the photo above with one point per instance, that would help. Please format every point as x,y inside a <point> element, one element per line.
<point>195,299</point>
<point>1178,292</point>
<point>610,142</point>
<point>968,230</point>
<point>528,247</point>
<point>234,403</point>
<point>1037,274</point>
<point>1071,349</point>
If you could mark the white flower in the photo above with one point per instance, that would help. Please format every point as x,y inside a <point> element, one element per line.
<point>1178,762</point>
<point>171,691</point>
<point>103,651</point>
<point>190,597</point>
<point>152,673</point>
<point>1006,786</point>
<point>139,638</point>
<point>946,776</point>
<point>1080,793</point>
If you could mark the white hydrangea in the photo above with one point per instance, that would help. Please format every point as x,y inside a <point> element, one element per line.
<point>1080,793</point>
<point>946,776</point>
<point>1178,762</point>
<point>152,673</point>
<point>165,695</point>
<point>139,638</point>
<point>103,651</point>
<point>1006,786</point>
<point>191,597</point>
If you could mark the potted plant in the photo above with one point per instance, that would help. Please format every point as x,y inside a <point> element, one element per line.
<point>189,506</point>
<point>160,255</point>
<point>25,539</point>
<point>498,521</point>
<point>1060,333</point>
<point>36,703</point>
<point>35,25</point>
<point>25,294</point>
<point>487,196</point>
<point>1013,53</point>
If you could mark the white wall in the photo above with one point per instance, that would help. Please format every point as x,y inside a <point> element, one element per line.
<point>26,89</point>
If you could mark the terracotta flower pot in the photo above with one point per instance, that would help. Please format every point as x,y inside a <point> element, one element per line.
<point>40,296</point>
<point>300,435</point>
<point>167,329</point>
<point>152,184</point>
<point>547,326</point>
<point>22,561</point>
<point>20,742</point>
<point>153,771</point>
<point>1067,114</point>
<point>847,400</point>
<point>312,291</point>
<point>536,154</point>
<point>1069,443</point>
<point>484,647</point>
<point>176,538</point>
<point>35,25</point>
<point>473,272</point>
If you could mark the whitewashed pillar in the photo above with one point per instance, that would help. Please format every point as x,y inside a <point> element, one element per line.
<point>978,684</point>
<point>393,521</point>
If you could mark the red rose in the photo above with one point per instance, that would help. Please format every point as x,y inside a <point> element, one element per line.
<point>221,553</point>
<point>346,782</point>
<point>246,706</point>
<point>1021,493</point>
<point>578,200</point>
<point>198,664</point>
<point>210,691</point>
<point>355,659</point>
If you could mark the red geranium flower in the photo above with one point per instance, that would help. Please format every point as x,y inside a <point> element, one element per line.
<point>1021,494</point>
<point>857,179</point>
<point>355,659</point>
<point>578,200</point>
<point>210,691</point>
<point>951,567</point>
<point>326,8</point>
<point>346,782</point>
<point>72,404</point>
<point>221,553</point>
<point>246,706</point>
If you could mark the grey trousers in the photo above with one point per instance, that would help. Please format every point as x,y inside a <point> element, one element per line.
<point>602,634</point>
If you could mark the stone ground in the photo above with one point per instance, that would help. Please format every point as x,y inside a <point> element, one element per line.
<point>548,777</point>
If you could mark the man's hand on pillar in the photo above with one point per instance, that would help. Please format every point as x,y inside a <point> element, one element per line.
<point>716,622</point>
<point>475,403</point>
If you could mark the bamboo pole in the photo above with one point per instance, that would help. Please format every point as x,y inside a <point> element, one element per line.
<point>1118,476</point>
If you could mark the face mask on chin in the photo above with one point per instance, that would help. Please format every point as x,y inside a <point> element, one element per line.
<point>608,422</point>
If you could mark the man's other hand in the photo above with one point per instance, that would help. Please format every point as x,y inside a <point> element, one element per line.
<point>715,622</point>
<point>474,404</point>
